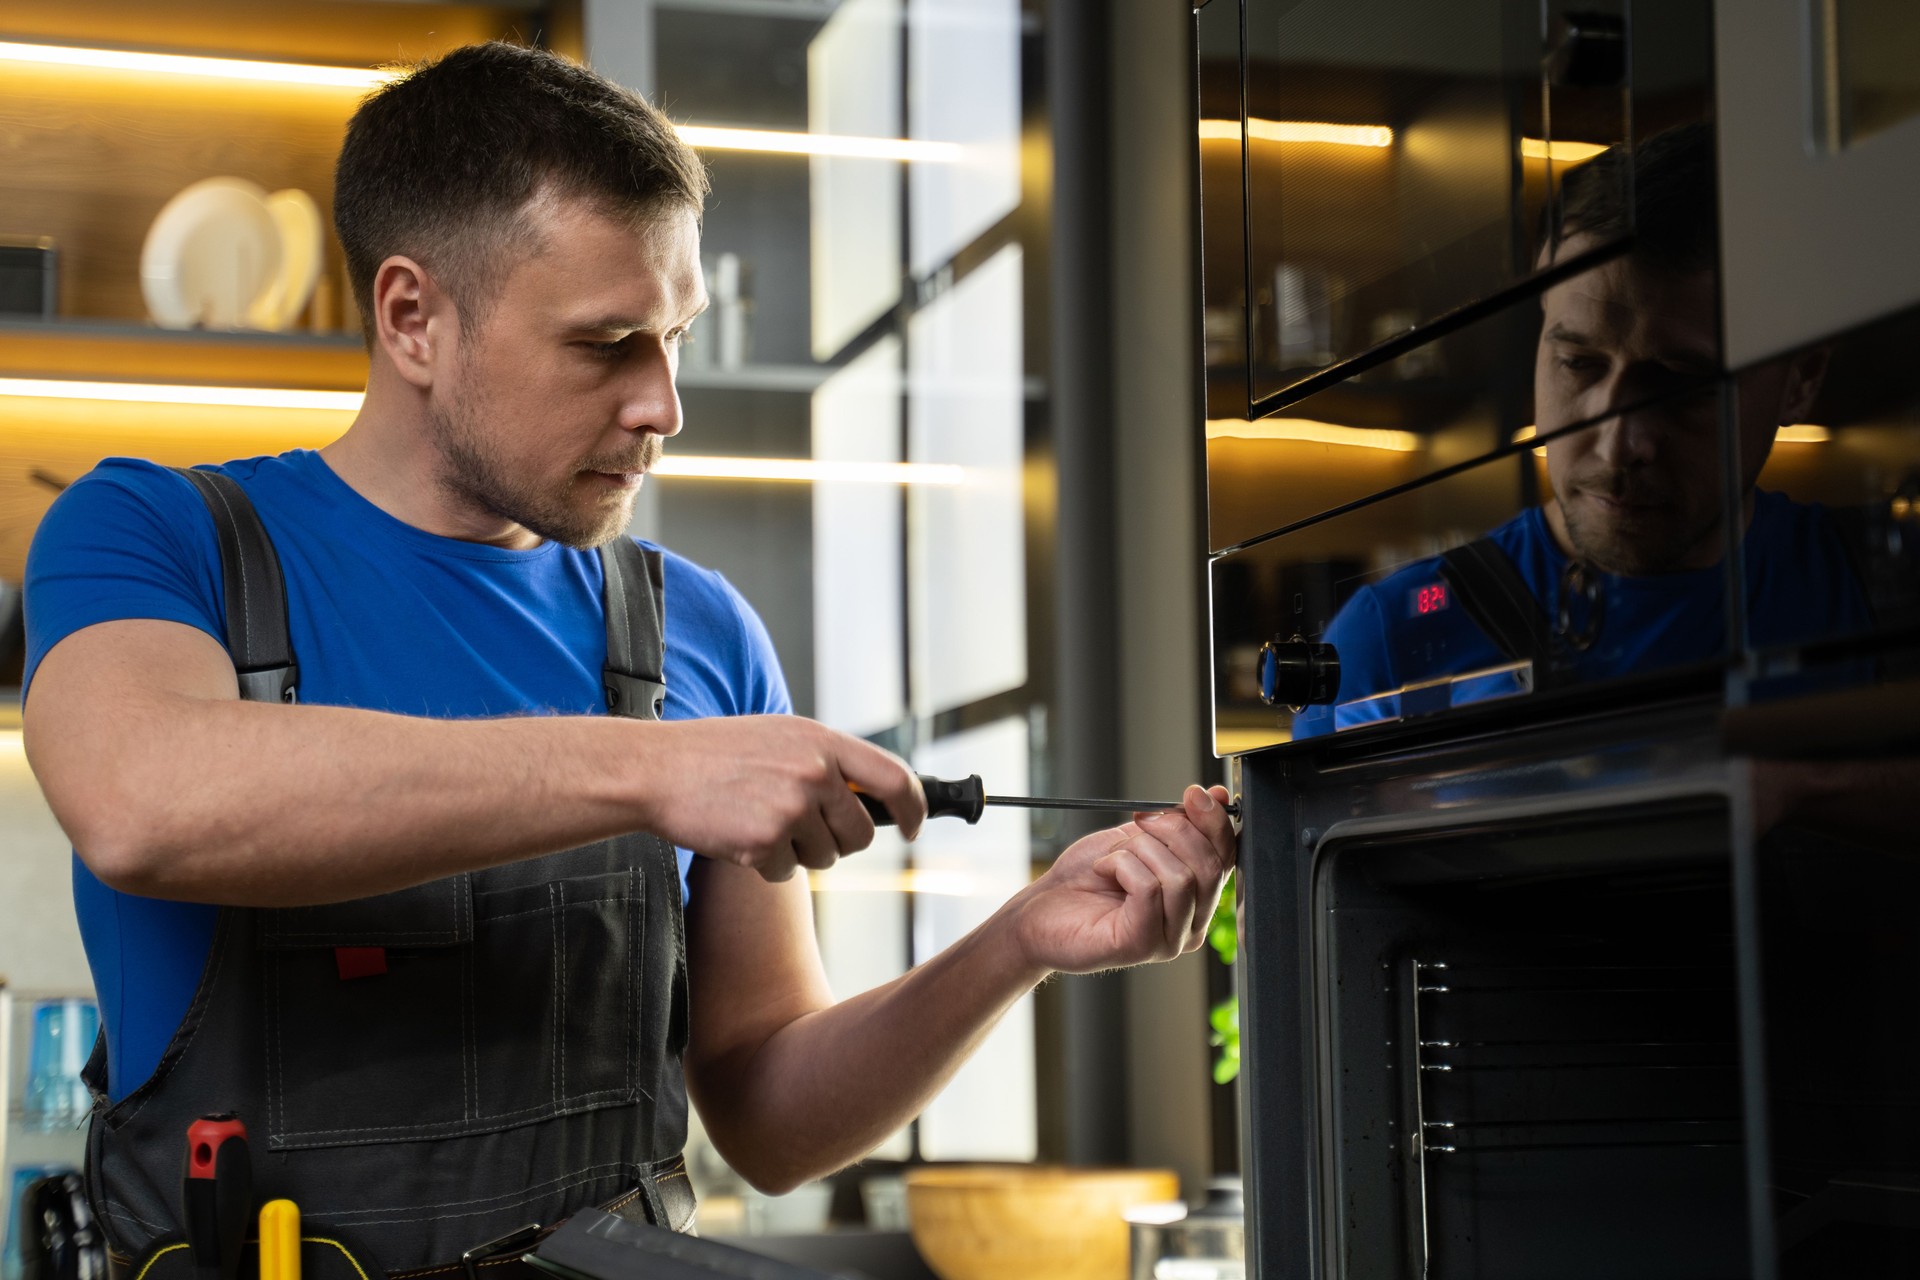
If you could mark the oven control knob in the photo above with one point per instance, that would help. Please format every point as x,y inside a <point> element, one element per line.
<point>1297,673</point>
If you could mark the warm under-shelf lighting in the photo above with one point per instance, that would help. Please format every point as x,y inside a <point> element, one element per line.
<point>180,64</point>
<point>1799,433</point>
<point>1559,152</point>
<point>171,393</point>
<point>677,466</point>
<point>716,138</point>
<point>1307,431</point>
<point>1802,433</point>
<point>706,137</point>
<point>1340,135</point>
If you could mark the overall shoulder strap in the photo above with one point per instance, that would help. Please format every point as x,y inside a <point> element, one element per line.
<point>1498,600</point>
<point>256,594</point>
<point>636,630</point>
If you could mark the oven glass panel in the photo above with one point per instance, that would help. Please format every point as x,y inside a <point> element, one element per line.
<point>1223,226</point>
<point>1831,432</point>
<point>1594,552</point>
<point>1459,396</point>
<point>1402,157</point>
<point>1626,329</point>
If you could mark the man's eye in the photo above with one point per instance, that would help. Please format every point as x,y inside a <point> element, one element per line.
<point>680,337</point>
<point>1582,364</point>
<point>605,350</point>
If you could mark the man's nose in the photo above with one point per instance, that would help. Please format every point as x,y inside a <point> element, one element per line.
<point>652,401</point>
<point>1625,439</point>
<point>1629,431</point>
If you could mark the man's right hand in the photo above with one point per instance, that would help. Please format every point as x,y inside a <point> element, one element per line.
<point>772,793</point>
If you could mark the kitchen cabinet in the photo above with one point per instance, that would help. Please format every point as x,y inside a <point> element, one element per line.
<point>1547,967</point>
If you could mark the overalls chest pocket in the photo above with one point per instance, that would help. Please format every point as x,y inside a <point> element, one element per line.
<point>462,1006</point>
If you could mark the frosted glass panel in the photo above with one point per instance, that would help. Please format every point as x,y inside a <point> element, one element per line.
<point>988,1111</point>
<point>859,624</point>
<point>963,86</point>
<point>967,585</point>
<point>853,89</point>
<point>862,917</point>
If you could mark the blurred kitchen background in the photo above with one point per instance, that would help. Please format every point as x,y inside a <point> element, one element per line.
<point>938,432</point>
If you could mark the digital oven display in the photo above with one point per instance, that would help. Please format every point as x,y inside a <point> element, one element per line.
<point>1431,598</point>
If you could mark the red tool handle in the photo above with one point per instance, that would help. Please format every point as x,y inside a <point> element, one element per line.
<point>218,1198</point>
<point>204,1138</point>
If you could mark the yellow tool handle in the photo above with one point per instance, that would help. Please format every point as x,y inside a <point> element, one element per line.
<point>279,1240</point>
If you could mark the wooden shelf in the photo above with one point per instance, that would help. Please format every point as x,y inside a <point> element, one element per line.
<point>126,352</point>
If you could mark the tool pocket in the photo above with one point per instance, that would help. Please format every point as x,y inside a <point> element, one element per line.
<point>325,1254</point>
<point>557,969</point>
<point>449,1009</point>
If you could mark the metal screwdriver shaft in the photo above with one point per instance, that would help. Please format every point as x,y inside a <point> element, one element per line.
<point>967,798</point>
<point>1058,802</point>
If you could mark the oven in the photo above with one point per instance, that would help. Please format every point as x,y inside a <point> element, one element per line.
<point>1564,518</point>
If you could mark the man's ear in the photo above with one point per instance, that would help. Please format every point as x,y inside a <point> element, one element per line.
<point>412,319</point>
<point>1800,388</point>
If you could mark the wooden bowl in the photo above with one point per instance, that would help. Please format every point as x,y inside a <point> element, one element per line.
<point>991,1222</point>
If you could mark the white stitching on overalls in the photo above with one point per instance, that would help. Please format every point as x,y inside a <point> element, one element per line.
<point>554,928</point>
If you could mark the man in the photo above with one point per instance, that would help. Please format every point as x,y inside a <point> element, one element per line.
<point>1619,571</point>
<point>422,929</point>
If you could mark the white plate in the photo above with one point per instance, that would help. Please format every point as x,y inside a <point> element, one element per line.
<point>285,297</point>
<point>209,254</point>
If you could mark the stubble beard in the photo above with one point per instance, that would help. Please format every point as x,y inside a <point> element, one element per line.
<point>475,473</point>
<point>1664,548</point>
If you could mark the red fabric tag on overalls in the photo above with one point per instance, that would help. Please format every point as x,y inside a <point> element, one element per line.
<point>360,962</point>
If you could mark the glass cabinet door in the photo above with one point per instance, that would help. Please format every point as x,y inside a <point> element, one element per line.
<point>1402,158</point>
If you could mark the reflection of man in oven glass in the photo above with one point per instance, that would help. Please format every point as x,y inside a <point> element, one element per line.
<point>1619,570</point>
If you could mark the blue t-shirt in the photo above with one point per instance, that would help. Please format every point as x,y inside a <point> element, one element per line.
<point>1395,634</point>
<point>385,617</point>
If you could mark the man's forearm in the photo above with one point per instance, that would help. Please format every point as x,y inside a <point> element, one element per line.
<point>254,805</point>
<point>829,1087</point>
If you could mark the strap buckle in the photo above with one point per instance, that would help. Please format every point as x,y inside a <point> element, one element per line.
<point>512,1242</point>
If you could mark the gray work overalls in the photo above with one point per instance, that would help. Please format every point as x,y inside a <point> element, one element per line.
<point>426,1071</point>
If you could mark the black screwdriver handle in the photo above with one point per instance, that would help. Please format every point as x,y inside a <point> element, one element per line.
<point>946,798</point>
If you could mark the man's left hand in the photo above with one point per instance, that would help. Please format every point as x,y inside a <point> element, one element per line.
<point>1140,892</point>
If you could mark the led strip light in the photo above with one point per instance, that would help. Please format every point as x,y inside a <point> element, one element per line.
<point>181,64</point>
<point>1340,135</point>
<point>705,137</point>
<point>1308,431</point>
<point>694,467</point>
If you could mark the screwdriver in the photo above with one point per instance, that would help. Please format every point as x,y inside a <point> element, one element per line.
<point>280,1240</point>
<point>218,1199</point>
<point>967,798</point>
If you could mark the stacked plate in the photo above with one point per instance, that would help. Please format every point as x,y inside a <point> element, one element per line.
<point>224,254</point>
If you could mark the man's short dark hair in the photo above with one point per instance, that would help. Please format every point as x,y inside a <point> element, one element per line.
<point>1673,210</point>
<point>440,166</point>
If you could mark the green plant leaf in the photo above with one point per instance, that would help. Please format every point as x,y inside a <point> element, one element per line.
<point>1223,931</point>
<point>1225,1020</point>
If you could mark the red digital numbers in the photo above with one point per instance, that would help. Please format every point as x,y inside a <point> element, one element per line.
<point>1430,599</point>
